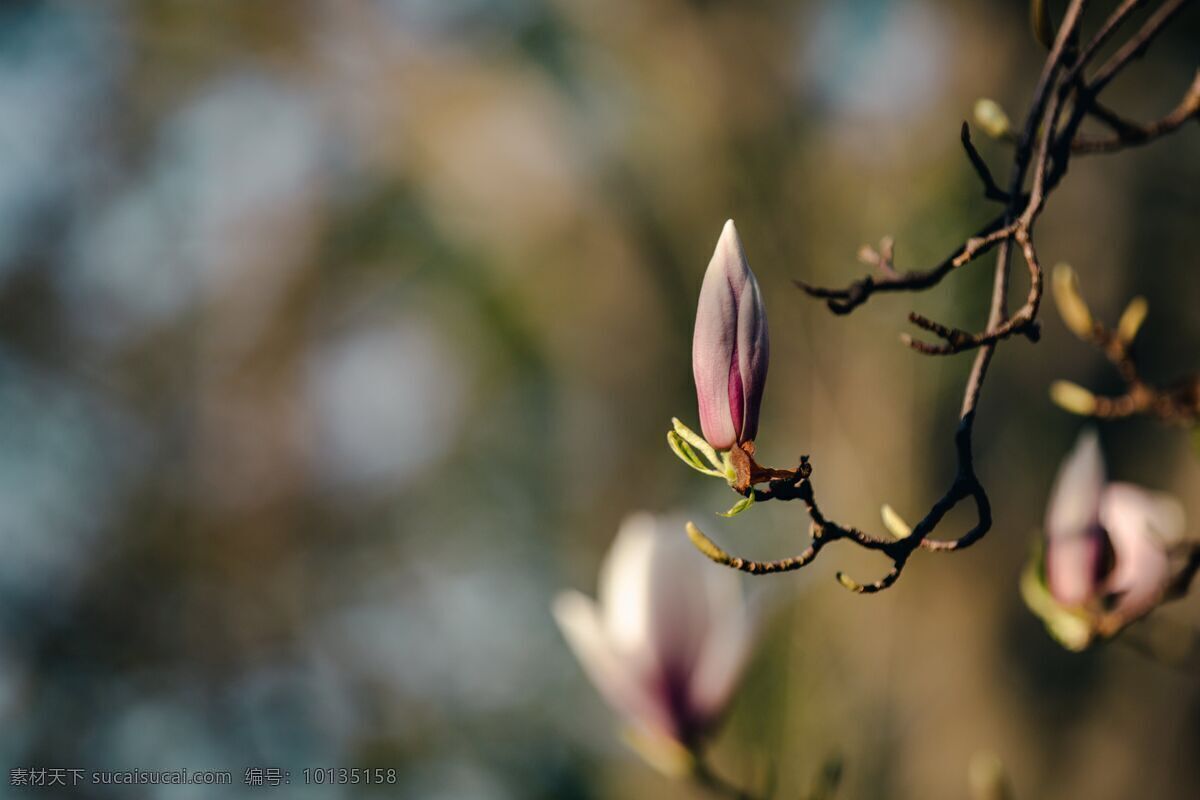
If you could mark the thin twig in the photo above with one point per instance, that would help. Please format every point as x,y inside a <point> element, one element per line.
<point>990,189</point>
<point>1046,146</point>
<point>1136,46</point>
<point>1177,404</point>
<point>843,301</point>
<point>1131,134</point>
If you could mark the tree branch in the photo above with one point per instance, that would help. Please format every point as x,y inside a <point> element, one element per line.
<point>1177,404</point>
<point>1131,134</point>
<point>1046,146</point>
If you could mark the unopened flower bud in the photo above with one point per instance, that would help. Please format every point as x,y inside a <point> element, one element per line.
<point>894,522</point>
<point>1039,20</point>
<point>1142,526</point>
<point>1073,397</point>
<point>1071,307</point>
<point>1131,320</point>
<point>730,346</point>
<point>991,117</point>
<point>1107,555</point>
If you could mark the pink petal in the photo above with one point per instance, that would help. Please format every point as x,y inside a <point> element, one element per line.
<point>681,615</point>
<point>1072,567</point>
<point>727,647</point>
<point>1074,541</point>
<point>675,623</point>
<point>715,338</point>
<point>1141,525</point>
<point>753,348</point>
<point>626,578</point>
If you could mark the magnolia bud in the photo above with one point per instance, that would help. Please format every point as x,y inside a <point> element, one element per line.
<point>1073,397</point>
<point>1039,20</point>
<point>1071,306</point>
<point>1142,526</point>
<point>1108,546</point>
<point>991,117</point>
<point>1131,320</point>
<point>729,348</point>
<point>894,522</point>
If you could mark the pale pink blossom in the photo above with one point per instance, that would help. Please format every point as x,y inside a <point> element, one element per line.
<point>1108,544</point>
<point>669,636</point>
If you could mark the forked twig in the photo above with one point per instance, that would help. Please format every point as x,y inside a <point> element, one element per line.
<point>1061,100</point>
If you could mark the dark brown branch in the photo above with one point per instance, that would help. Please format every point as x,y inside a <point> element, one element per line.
<point>960,341</point>
<point>990,190</point>
<point>843,301</point>
<point>1045,144</point>
<point>797,485</point>
<point>883,259</point>
<point>1177,404</point>
<point>1085,94</point>
<point>1131,134</point>
<point>966,483</point>
<point>1110,26</point>
<point>1112,119</point>
<point>1024,322</point>
<point>1136,47</point>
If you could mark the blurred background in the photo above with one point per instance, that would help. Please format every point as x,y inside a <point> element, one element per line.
<point>337,337</point>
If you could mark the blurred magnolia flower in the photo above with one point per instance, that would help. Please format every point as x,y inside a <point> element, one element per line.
<point>667,641</point>
<point>730,346</point>
<point>1106,559</point>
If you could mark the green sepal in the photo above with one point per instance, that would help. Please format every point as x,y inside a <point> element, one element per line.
<point>688,456</point>
<point>1070,628</point>
<point>739,506</point>
<point>699,443</point>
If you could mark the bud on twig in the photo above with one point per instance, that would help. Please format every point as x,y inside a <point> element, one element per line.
<point>1073,397</point>
<point>894,522</point>
<point>991,117</point>
<point>1039,20</point>
<point>730,346</point>
<point>1108,552</point>
<point>1131,320</point>
<point>1071,307</point>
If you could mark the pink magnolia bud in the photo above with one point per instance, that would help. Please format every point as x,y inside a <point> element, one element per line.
<point>730,346</point>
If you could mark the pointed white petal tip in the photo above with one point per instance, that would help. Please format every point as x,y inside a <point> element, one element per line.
<point>730,243</point>
<point>1074,505</point>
